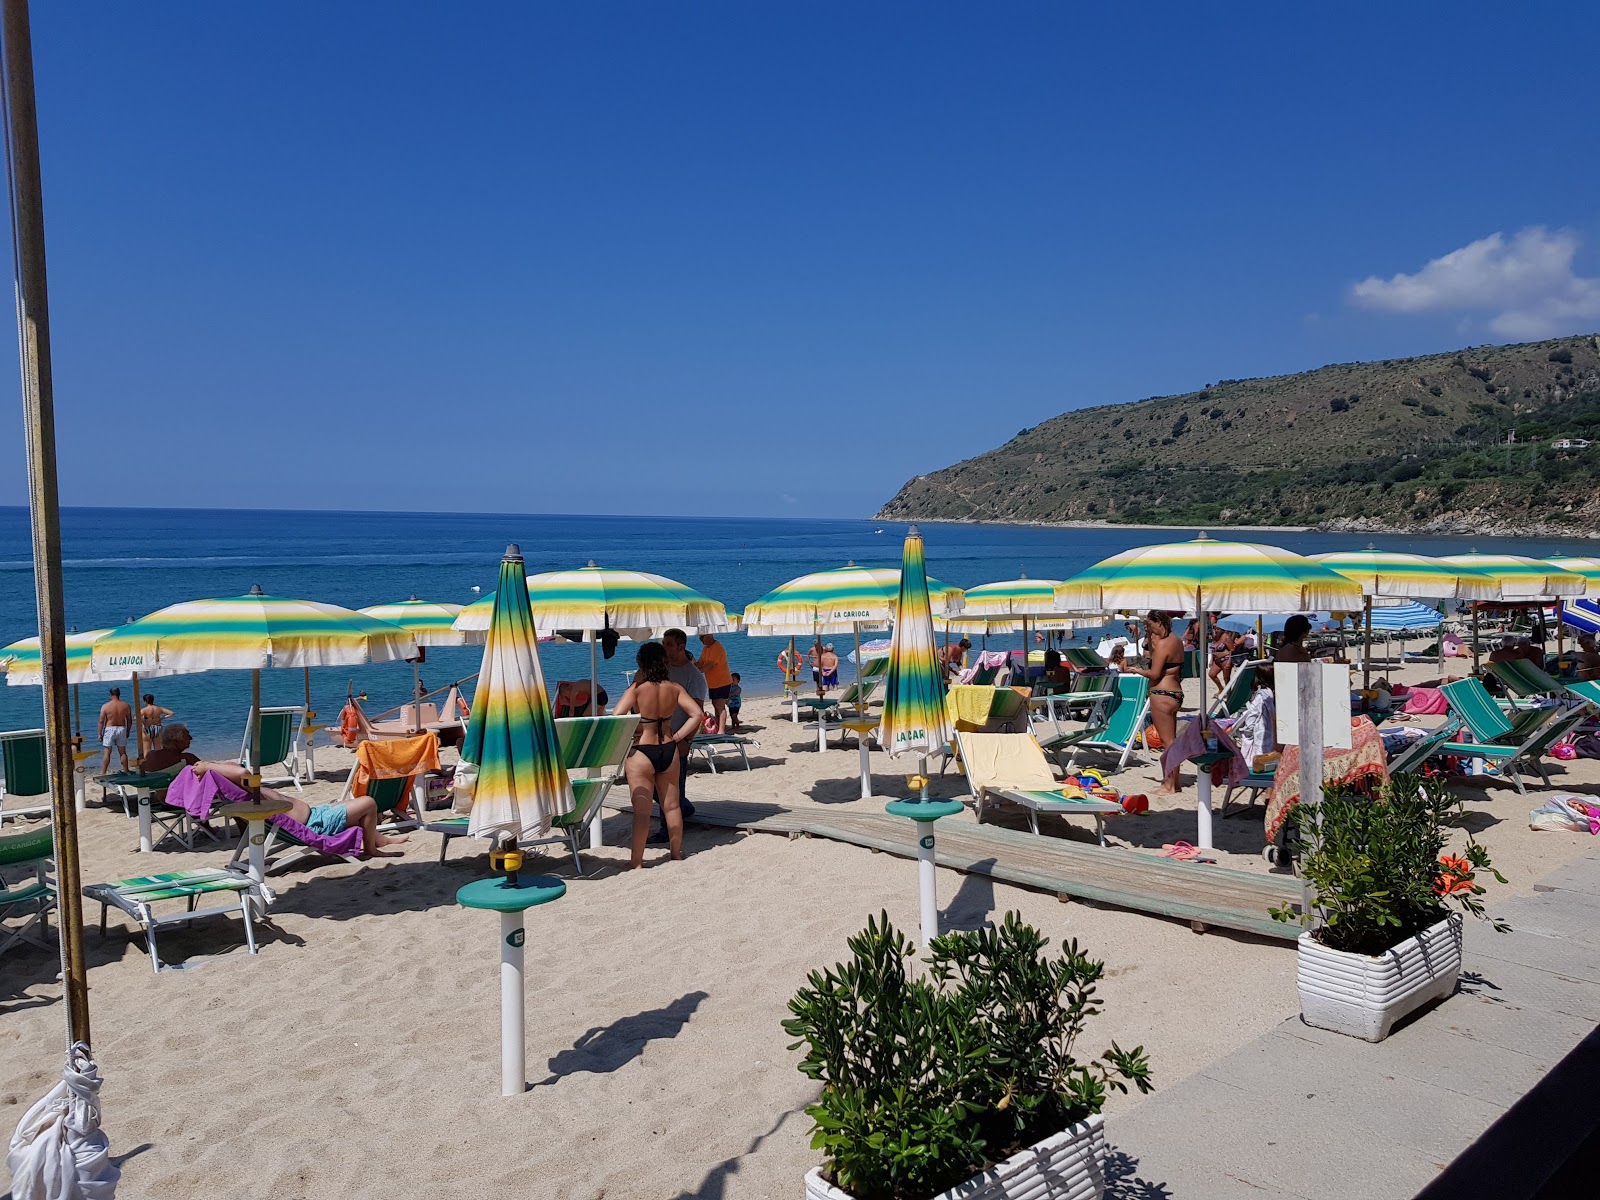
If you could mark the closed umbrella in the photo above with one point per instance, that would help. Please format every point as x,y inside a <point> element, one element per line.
<point>431,623</point>
<point>915,717</point>
<point>1204,574</point>
<point>1392,573</point>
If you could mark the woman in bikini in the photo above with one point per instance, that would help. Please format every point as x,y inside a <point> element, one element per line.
<point>1165,674</point>
<point>652,764</point>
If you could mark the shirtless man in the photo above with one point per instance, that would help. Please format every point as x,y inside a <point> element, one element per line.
<point>1588,657</point>
<point>116,720</point>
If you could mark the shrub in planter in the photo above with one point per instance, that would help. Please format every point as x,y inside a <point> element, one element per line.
<point>928,1081</point>
<point>1386,903</point>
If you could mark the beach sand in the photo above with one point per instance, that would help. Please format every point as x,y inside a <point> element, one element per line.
<point>358,1054</point>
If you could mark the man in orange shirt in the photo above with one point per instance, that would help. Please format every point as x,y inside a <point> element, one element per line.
<point>713,664</point>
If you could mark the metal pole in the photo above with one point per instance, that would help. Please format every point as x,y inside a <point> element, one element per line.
<point>138,725</point>
<point>513,1021</point>
<point>255,734</point>
<point>1366,657</point>
<point>44,502</point>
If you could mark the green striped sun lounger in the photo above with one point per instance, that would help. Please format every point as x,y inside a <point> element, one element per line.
<point>281,746</point>
<point>709,745</point>
<point>1509,745</point>
<point>1471,703</point>
<point>1525,679</point>
<point>30,894</point>
<point>26,763</point>
<point>1114,729</point>
<point>1012,767</point>
<point>135,897</point>
<point>592,746</point>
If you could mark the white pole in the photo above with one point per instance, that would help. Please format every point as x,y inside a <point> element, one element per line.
<point>822,730</point>
<point>1366,653</point>
<point>926,883</point>
<point>866,764</point>
<point>416,696</point>
<point>256,831</point>
<point>145,845</point>
<point>513,1044</point>
<point>597,835</point>
<point>861,707</point>
<point>1203,810</point>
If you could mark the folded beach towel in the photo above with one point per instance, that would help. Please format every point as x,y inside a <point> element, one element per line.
<point>198,795</point>
<point>345,844</point>
<point>394,759</point>
<point>970,703</point>
<point>1425,701</point>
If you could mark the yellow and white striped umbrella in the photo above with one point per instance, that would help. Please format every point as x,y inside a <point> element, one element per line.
<point>840,601</point>
<point>594,598</point>
<point>1524,580</point>
<point>1392,573</point>
<point>22,661</point>
<point>431,623</point>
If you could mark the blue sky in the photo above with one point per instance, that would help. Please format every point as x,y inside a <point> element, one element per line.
<point>759,259</point>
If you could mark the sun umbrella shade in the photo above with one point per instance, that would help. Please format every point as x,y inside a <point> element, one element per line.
<point>1582,615</point>
<point>837,601</point>
<point>1233,576</point>
<point>1589,568</point>
<point>511,735</point>
<point>1402,618</point>
<point>1522,579</point>
<point>430,623</point>
<point>1022,597</point>
<point>1394,573</point>
<point>592,597</point>
<point>21,661</point>
<point>251,633</point>
<point>914,714</point>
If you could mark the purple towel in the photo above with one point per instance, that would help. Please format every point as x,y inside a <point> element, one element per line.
<point>345,845</point>
<point>198,796</point>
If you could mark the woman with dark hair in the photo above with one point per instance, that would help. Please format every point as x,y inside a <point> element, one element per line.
<point>1293,648</point>
<point>1165,674</point>
<point>652,764</point>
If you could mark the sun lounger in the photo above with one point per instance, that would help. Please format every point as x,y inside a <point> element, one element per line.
<point>26,759</point>
<point>1083,659</point>
<point>1255,782</point>
<point>1113,731</point>
<point>1508,745</point>
<point>135,897</point>
<point>593,750</point>
<point>30,894</point>
<point>1410,759</point>
<point>390,771</point>
<point>281,745</point>
<point>289,842</point>
<point>1524,679</point>
<point>1013,767</point>
<point>1232,701</point>
<point>709,745</point>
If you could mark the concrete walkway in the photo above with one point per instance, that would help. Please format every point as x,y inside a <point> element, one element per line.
<point>1308,1115</point>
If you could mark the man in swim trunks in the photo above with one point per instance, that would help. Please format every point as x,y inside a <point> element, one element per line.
<point>713,664</point>
<point>682,671</point>
<point>829,662</point>
<point>330,820</point>
<point>116,719</point>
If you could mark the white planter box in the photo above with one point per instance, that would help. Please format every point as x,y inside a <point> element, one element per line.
<point>1069,1165</point>
<point>1363,997</point>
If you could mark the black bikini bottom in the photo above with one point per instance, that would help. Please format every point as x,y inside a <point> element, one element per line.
<point>660,757</point>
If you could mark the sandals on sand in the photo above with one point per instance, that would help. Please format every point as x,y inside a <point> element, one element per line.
<point>1184,852</point>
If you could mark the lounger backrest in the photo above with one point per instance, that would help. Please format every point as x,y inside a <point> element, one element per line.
<point>876,668</point>
<point>26,847</point>
<point>984,676</point>
<point>1470,701</point>
<point>1238,693</point>
<point>1585,689</point>
<point>1083,658</point>
<point>1419,751</point>
<point>388,793</point>
<point>278,728</point>
<point>1522,678</point>
<point>1560,722</point>
<point>1004,760</point>
<point>1089,681</point>
<point>594,743</point>
<point>27,763</point>
<point>1122,723</point>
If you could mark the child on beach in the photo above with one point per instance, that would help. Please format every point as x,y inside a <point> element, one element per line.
<point>735,700</point>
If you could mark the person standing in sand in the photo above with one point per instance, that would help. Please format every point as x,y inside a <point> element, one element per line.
<point>829,662</point>
<point>682,671</point>
<point>713,664</point>
<point>1165,674</point>
<point>116,719</point>
<point>652,766</point>
<point>152,716</point>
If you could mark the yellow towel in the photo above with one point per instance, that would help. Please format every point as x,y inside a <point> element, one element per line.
<point>1007,760</point>
<point>970,702</point>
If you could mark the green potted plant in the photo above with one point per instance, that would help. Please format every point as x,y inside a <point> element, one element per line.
<point>961,1077</point>
<point>1384,934</point>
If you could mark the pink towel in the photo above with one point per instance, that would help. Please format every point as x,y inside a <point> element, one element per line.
<point>1425,701</point>
<point>198,796</point>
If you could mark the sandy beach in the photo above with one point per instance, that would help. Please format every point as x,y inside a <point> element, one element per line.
<point>358,1053</point>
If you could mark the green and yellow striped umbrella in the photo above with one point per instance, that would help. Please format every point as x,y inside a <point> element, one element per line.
<point>1525,580</point>
<point>1589,568</point>
<point>914,715</point>
<point>431,623</point>
<point>593,598</point>
<point>845,599</point>
<point>1384,573</point>
<point>1203,573</point>
<point>511,736</point>
<point>1020,597</point>
<point>22,661</point>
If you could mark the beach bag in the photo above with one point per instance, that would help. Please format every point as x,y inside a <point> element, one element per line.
<point>1565,811</point>
<point>1425,701</point>
<point>463,786</point>
<point>1587,746</point>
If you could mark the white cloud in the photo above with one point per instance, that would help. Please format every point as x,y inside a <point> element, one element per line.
<point>1526,284</point>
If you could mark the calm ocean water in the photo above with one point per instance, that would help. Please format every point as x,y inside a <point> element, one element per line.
<point>124,563</point>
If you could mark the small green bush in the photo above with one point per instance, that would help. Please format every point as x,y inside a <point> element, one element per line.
<point>926,1082</point>
<point>1560,356</point>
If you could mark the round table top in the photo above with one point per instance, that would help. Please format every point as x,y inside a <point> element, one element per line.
<point>924,810</point>
<point>258,810</point>
<point>497,894</point>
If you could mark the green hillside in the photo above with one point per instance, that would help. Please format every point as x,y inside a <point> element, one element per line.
<point>1414,443</point>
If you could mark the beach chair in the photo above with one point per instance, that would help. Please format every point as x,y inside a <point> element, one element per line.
<point>26,760</point>
<point>1113,732</point>
<point>31,893</point>
<point>709,745</point>
<point>1410,759</point>
<point>135,897</point>
<point>1507,745</point>
<point>592,746</point>
<point>572,698</point>
<point>1254,782</point>
<point>1526,680</point>
<point>281,745</point>
<point>1472,705</point>
<point>1083,658</point>
<point>1237,694</point>
<point>1012,767</point>
<point>289,842</point>
<point>391,771</point>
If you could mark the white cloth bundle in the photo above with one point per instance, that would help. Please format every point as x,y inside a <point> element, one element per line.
<point>59,1151</point>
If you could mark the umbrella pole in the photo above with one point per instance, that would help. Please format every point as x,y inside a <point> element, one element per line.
<point>860,695</point>
<point>1474,641</point>
<point>597,835</point>
<point>77,719</point>
<point>1202,784</point>
<point>138,725</point>
<point>1366,656</point>
<point>416,696</point>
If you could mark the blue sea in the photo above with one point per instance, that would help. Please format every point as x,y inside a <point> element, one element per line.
<point>123,563</point>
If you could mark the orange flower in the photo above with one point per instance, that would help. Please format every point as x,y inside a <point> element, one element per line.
<point>1455,875</point>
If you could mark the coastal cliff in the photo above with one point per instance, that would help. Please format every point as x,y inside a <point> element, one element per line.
<point>1485,440</point>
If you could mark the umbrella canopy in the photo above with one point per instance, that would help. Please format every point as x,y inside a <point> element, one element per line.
<point>251,632</point>
<point>1021,597</point>
<point>914,714</point>
<point>839,601</point>
<point>1582,615</point>
<point>1394,573</point>
<point>1589,568</point>
<point>1522,579</point>
<point>23,668</point>
<point>594,598</point>
<point>1231,576</point>
<point>511,736</point>
<point>431,623</point>
<point>1401,618</point>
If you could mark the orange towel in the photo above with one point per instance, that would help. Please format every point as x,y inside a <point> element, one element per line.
<point>398,758</point>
